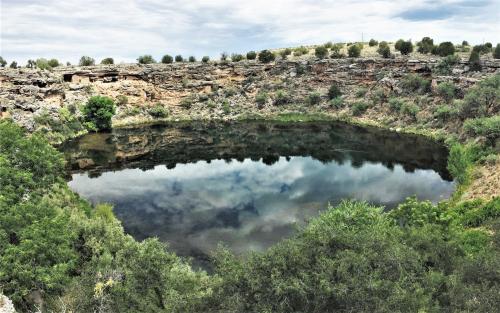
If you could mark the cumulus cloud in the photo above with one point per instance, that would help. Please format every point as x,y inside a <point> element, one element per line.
<point>125,29</point>
<point>247,205</point>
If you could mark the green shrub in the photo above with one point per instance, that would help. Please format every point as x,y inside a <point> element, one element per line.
<point>445,112</point>
<point>384,51</point>
<point>328,45</point>
<point>299,51</point>
<point>146,59</point>
<point>192,59</point>
<point>314,98</point>
<point>205,59</point>
<point>359,108</point>
<point>167,59</point>
<point>354,51</point>
<point>337,102</point>
<point>321,52</point>
<point>496,53</point>
<point>13,64</point>
<point>3,63</point>
<point>334,91</point>
<point>398,44</point>
<point>465,43</point>
<point>179,58</point>
<point>446,48</point>
<point>482,99</point>
<point>107,61</point>
<point>459,163</point>
<point>378,96</point>
<point>121,100</point>
<point>445,65</point>
<point>395,104</point>
<point>86,61</point>
<point>226,108</point>
<point>261,98</point>
<point>481,49</point>
<point>488,127</point>
<point>285,53</point>
<point>361,92</point>
<point>413,83</point>
<point>53,63</point>
<point>405,47</point>
<point>99,110</point>
<point>281,97</point>
<point>372,42</point>
<point>236,57</point>
<point>187,102</point>
<point>425,45</point>
<point>251,55</point>
<point>29,64</point>
<point>266,56</point>
<point>158,111</point>
<point>475,61</point>
<point>447,91</point>
<point>43,64</point>
<point>409,109</point>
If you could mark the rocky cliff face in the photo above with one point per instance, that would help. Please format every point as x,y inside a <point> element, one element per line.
<point>206,91</point>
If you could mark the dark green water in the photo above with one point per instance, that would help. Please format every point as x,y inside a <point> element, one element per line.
<point>247,184</point>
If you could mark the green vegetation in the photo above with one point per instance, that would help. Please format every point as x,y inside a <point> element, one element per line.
<point>178,58</point>
<point>496,53</point>
<point>43,64</point>
<point>413,83</point>
<point>483,99</point>
<point>425,46</point>
<point>354,51</point>
<point>488,127</point>
<point>108,61</point>
<point>372,42</point>
<point>158,111</point>
<point>192,59</point>
<point>337,102</point>
<point>334,91</point>
<point>445,65</point>
<point>266,56</point>
<point>13,64</point>
<point>3,63</point>
<point>98,113</point>
<point>446,48</point>
<point>321,52</point>
<point>235,57</point>
<point>53,63</point>
<point>447,91</point>
<point>261,98</point>
<point>251,55</point>
<point>86,61</point>
<point>167,59</point>
<point>146,59</point>
<point>475,61</point>
<point>384,50</point>
<point>405,47</point>
<point>314,98</point>
<point>359,108</point>
<point>282,97</point>
<point>205,59</point>
<point>223,56</point>
<point>300,51</point>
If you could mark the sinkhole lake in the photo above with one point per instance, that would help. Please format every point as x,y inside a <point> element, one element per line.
<point>247,184</point>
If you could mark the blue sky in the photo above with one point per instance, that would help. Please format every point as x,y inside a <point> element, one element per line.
<point>125,29</point>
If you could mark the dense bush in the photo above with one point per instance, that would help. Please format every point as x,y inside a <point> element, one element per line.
<point>314,98</point>
<point>413,83</point>
<point>251,55</point>
<point>261,98</point>
<point>444,67</point>
<point>445,112</point>
<point>179,58</point>
<point>405,47</point>
<point>481,49</point>
<point>146,59</point>
<point>337,102</point>
<point>372,42</point>
<point>447,91</point>
<point>425,45</point>
<point>446,48</point>
<point>395,104</point>
<point>3,63</point>
<point>205,59</point>
<point>359,108</point>
<point>465,43</point>
<point>488,127</point>
<point>354,51</point>
<point>334,91</point>
<point>86,61</point>
<point>299,51</point>
<point>192,59</point>
<point>266,56</point>
<point>483,99</point>
<point>53,63</point>
<point>98,112</point>
<point>30,64</point>
<point>409,109</point>
<point>158,111</point>
<point>167,59</point>
<point>384,50</point>
<point>282,97</point>
<point>321,52</point>
<point>108,61</point>
<point>459,162</point>
<point>236,57</point>
<point>496,53</point>
<point>398,44</point>
<point>43,64</point>
<point>475,61</point>
<point>13,64</point>
<point>285,53</point>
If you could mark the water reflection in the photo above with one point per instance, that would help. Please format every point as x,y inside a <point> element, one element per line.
<point>195,186</point>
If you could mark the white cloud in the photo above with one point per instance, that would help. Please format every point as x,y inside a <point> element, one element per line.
<point>128,28</point>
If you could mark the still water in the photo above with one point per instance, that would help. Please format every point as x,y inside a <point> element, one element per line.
<point>249,184</point>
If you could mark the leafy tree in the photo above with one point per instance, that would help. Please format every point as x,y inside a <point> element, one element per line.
<point>13,64</point>
<point>405,47</point>
<point>354,51</point>
<point>3,63</point>
<point>465,43</point>
<point>425,45</point>
<point>398,44</point>
<point>31,64</point>
<point>251,55</point>
<point>167,59</point>
<point>192,59</point>
<point>205,59</point>
<point>53,63</point>
<point>321,52</point>
<point>86,61</point>
<point>108,61</point>
<point>179,58</point>
<point>372,42</point>
<point>266,56</point>
<point>146,59</point>
<point>384,50</point>
<point>446,48</point>
<point>98,112</point>
<point>496,53</point>
<point>43,64</point>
